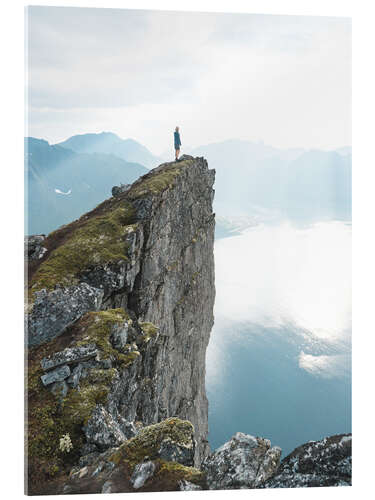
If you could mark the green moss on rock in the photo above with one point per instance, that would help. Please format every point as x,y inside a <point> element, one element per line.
<point>147,442</point>
<point>79,404</point>
<point>179,472</point>
<point>98,327</point>
<point>49,417</point>
<point>98,241</point>
<point>149,331</point>
<point>158,181</point>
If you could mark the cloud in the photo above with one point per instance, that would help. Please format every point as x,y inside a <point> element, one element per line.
<point>325,366</point>
<point>105,58</point>
<point>284,79</point>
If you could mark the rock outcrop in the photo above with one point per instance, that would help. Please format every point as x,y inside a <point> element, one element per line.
<point>243,462</point>
<point>119,316</point>
<point>159,458</point>
<point>34,249</point>
<point>318,463</point>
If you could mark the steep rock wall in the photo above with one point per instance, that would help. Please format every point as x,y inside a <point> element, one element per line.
<point>146,257</point>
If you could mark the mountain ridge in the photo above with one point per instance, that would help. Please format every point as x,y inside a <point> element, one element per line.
<point>110,143</point>
<point>88,176</point>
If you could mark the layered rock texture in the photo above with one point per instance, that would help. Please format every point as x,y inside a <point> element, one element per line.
<point>120,311</point>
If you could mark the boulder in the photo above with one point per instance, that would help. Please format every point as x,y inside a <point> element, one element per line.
<point>60,389</point>
<point>141,473</point>
<point>74,378</point>
<point>34,249</point>
<point>57,375</point>
<point>188,486</point>
<point>119,336</point>
<point>117,190</point>
<point>53,311</point>
<point>104,431</point>
<point>243,462</point>
<point>69,356</point>
<point>136,465</point>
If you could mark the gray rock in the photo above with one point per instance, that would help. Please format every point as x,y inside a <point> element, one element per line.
<point>53,311</point>
<point>108,278</point>
<point>74,378</point>
<point>69,356</point>
<point>188,486</point>
<point>103,430</point>
<point>186,157</point>
<point>141,473</point>
<point>171,451</point>
<point>87,449</point>
<point>57,375</point>
<point>59,389</point>
<point>127,428</point>
<point>242,462</point>
<point>143,208</point>
<point>119,336</point>
<point>107,487</point>
<point>88,459</point>
<point>318,463</point>
<point>116,190</point>
<point>34,249</point>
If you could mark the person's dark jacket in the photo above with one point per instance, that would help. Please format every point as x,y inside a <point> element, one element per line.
<point>177,140</point>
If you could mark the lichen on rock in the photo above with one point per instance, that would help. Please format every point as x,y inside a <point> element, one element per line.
<point>327,462</point>
<point>243,462</point>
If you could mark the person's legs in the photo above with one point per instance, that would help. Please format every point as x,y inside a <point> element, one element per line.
<point>177,153</point>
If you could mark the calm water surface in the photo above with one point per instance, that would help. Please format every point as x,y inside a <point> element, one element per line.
<point>279,358</point>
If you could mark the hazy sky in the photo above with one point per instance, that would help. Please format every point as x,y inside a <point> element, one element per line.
<point>285,80</point>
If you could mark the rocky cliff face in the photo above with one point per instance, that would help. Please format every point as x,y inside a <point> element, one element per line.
<point>119,316</point>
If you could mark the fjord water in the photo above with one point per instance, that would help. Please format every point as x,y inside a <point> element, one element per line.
<point>279,358</point>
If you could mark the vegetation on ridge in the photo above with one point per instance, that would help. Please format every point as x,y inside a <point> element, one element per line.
<point>99,241</point>
<point>99,236</point>
<point>148,441</point>
<point>50,416</point>
<point>158,180</point>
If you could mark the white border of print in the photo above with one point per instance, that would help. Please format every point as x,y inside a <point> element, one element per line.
<point>12,123</point>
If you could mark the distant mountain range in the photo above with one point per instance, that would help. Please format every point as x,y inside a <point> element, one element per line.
<point>253,181</point>
<point>300,185</point>
<point>63,184</point>
<point>109,143</point>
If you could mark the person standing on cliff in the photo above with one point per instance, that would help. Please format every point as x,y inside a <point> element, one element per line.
<point>177,142</point>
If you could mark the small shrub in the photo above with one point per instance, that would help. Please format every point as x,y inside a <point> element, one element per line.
<point>66,443</point>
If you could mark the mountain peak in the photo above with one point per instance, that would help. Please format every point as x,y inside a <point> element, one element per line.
<point>110,143</point>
